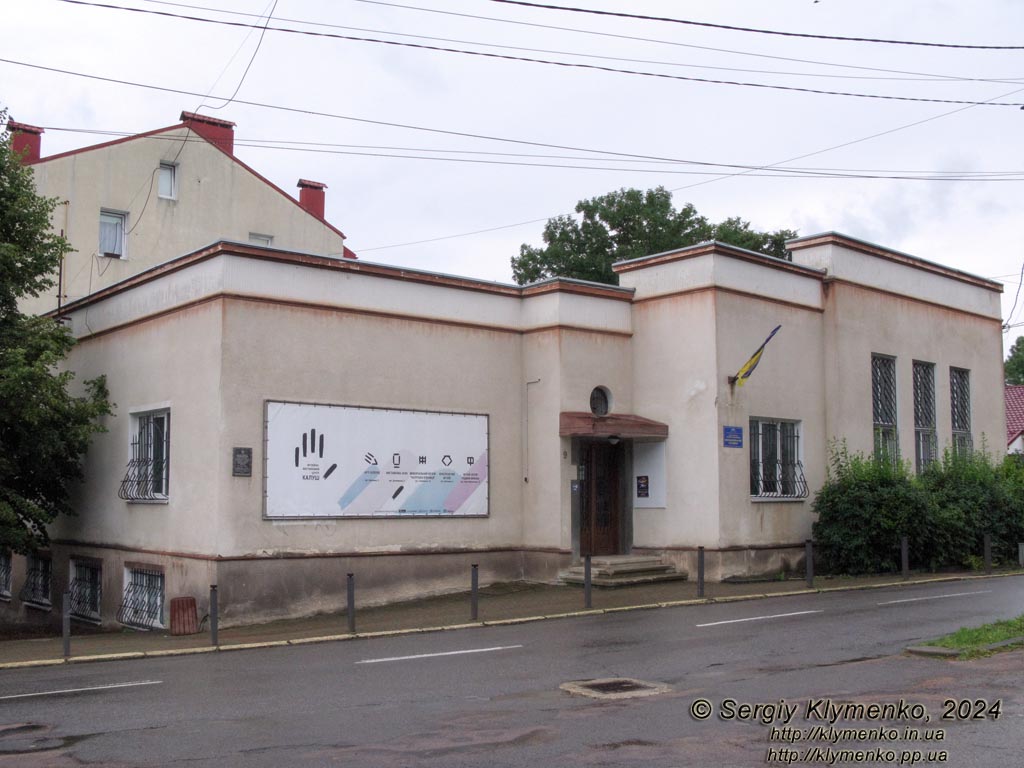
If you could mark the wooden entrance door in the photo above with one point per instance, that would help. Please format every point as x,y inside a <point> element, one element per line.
<point>599,521</point>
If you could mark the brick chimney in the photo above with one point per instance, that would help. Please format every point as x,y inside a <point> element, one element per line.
<point>26,140</point>
<point>312,196</point>
<point>218,132</point>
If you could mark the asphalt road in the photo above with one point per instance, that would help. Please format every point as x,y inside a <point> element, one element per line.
<point>491,697</point>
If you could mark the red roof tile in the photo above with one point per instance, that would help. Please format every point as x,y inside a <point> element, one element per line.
<point>1014,394</point>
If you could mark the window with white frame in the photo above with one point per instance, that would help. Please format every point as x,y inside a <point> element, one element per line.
<point>113,225</point>
<point>36,589</point>
<point>167,181</point>
<point>85,588</point>
<point>960,409</point>
<point>257,239</point>
<point>776,469</point>
<point>883,407</point>
<point>148,475</point>
<point>925,443</point>
<point>5,575</point>
<point>143,604</point>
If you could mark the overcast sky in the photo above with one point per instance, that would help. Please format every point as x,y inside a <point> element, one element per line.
<point>382,202</point>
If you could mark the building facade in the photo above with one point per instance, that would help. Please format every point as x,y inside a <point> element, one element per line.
<point>285,418</point>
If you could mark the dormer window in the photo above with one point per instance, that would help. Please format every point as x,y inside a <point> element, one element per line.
<point>112,230</point>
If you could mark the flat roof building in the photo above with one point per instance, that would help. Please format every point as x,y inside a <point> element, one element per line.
<point>284,418</point>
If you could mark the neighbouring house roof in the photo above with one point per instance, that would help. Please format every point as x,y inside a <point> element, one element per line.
<point>1014,396</point>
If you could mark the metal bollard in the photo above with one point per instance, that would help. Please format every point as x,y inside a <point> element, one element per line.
<point>1020,554</point>
<point>809,562</point>
<point>988,553</point>
<point>351,590</point>
<point>213,614</point>
<point>587,602</point>
<point>66,624</point>
<point>474,586</point>
<point>700,571</point>
<point>905,556</point>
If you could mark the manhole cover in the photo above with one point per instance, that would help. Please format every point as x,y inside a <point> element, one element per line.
<point>614,688</point>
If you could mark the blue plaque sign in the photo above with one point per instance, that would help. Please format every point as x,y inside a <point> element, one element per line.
<point>732,437</point>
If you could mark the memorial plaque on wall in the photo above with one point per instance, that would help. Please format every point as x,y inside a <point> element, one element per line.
<point>241,462</point>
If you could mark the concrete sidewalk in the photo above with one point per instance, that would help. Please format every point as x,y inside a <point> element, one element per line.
<point>498,603</point>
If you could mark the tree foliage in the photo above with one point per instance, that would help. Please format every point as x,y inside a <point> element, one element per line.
<point>1014,366</point>
<point>628,224</point>
<point>44,430</point>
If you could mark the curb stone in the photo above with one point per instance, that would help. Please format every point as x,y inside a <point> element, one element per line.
<point>503,622</point>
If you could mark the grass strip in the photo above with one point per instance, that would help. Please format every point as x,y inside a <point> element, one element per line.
<point>973,641</point>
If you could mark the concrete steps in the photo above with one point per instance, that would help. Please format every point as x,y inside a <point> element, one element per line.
<point>623,571</point>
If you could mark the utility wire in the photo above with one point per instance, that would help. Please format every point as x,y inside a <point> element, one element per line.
<point>914,76</point>
<point>731,28</point>
<point>549,62</point>
<point>367,121</point>
<point>251,58</point>
<point>314,146</point>
<point>627,37</point>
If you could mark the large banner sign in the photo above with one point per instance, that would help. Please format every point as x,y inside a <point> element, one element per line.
<point>344,461</point>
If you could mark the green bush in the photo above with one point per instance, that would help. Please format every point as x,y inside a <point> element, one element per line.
<point>863,510</point>
<point>867,505</point>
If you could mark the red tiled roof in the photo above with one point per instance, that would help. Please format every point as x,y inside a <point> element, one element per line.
<point>1014,395</point>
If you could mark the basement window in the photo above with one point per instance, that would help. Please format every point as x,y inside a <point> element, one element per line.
<point>36,590</point>
<point>5,575</point>
<point>143,604</point>
<point>86,590</point>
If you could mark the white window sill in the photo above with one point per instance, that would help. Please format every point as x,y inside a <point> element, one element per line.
<point>149,501</point>
<point>95,620</point>
<point>776,500</point>
<point>39,606</point>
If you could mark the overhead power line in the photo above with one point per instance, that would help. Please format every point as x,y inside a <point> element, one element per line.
<point>316,147</point>
<point>731,28</point>
<point>549,62</point>
<point>636,38</point>
<point>888,74</point>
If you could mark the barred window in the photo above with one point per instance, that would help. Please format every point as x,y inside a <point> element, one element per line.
<point>148,474</point>
<point>775,466</point>
<point>925,443</point>
<point>960,408</point>
<point>143,604</point>
<point>36,590</point>
<point>5,574</point>
<point>85,588</point>
<point>883,406</point>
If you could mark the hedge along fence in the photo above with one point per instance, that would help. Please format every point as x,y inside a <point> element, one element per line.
<point>867,505</point>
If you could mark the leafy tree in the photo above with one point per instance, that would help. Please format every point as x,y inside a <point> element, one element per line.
<point>628,224</point>
<point>1014,366</point>
<point>44,430</point>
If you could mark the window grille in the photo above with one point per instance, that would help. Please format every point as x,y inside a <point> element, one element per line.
<point>775,466</point>
<point>36,589</point>
<point>86,590</point>
<point>883,406</point>
<point>5,574</point>
<point>143,604</point>
<point>960,408</point>
<point>148,474</point>
<point>925,443</point>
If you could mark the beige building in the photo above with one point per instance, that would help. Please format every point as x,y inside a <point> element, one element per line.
<point>285,418</point>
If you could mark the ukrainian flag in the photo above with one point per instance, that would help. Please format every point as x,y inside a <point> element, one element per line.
<point>748,367</point>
